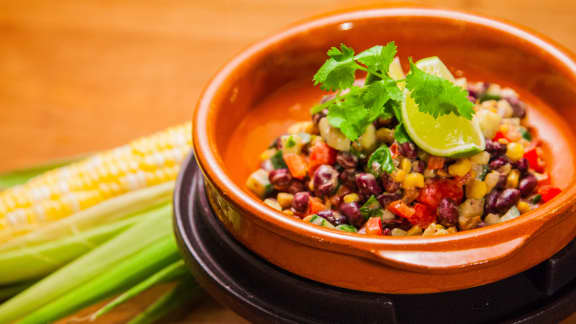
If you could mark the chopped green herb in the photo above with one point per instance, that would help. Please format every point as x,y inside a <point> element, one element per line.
<point>484,172</point>
<point>536,199</point>
<point>400,134</point>
<point>380,160</point>
<point>290,142</point>
<point>371,208</point>
<point>347,228</point>
<point>437,96</point>
<point>278,161</point>
<point>339,71</point>
<point>486,96</point>
<point>525,134</point>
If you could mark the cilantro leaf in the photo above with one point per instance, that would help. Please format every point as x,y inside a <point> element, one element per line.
<point>400,134</point>
<point>350,115</point>
<point>380,160</point>
<point>378,58</point>
<point>378,93</point>
<point>371,208</point>
<point>437,96</point>
<point>278,161</point>
<point>339,71</point>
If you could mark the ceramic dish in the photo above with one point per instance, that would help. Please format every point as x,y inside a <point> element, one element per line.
<point>255,96</point>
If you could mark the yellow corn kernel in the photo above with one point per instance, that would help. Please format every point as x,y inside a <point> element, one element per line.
<point>523,206</point>
<point>452,230</point>
<point>406,165</point>
<point>477,189</point>
<point>285,199</point>
<point>503,141</point>
<point>460,168</point>
<point>491,180</point>
<point>301,127</point>
<point>397,175</point>
<point>350,198</point>
<point>414,230</point>
<point>288,212</point>
<point>267,154</point>
<point>515,151</point>
<point>413,180</point>
<point>512,179</point>
<point>271,202</point>
<point>492,219</point>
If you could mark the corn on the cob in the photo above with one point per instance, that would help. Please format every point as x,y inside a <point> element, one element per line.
<point>59,193</point>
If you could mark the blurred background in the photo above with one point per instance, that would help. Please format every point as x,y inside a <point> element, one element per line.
<point>82,76</point>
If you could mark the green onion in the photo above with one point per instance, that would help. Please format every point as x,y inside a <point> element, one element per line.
<point>39,260</point>
<point>126,273</point>
<point>152,229</point>
<point>12,290</point>
<point>121,207</point>
<point>186,292</point>
<point>172,272</point>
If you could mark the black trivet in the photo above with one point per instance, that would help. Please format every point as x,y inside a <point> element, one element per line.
<point>264,293</point>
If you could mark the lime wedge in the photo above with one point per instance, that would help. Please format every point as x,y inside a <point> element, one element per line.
<point>395,70</point>
<point>448,135</point>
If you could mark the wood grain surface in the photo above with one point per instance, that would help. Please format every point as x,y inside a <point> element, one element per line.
<point>82,76</point>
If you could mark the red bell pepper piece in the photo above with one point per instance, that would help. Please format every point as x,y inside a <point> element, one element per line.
<point>297,164</point>
<point>400,208</point>
<point>315,205</point>
<point>548,192</point>
<point>320,154</point>
<point>534,160</point>
<point>423,215</point>
<point>434,192</point>
<point>374,226</point>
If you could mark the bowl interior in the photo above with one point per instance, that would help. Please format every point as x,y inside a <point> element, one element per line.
<point>269,86</point>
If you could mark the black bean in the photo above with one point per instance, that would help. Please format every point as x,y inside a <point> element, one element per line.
<point>518,107</point>
<point>348,178</point>
<point>325,180</point>
<point>495,149</point>
<point>295,186</point>
<point>389,184</point>
<point>280,178</point>
<point>367,184</point>
<point>300,202</point>
<point>408,149</point>
<point>527,184</point>
<point>317,116</point>
<point>498,162</point>
<point>447,212</point>
<point>501,182</point>
<point>334,217</point>
<point>521,165</point>
<point>347,160</point>
<point>388,197</point>
<point>490,205</point>
<point>352,213</point>
<point>507,199</point>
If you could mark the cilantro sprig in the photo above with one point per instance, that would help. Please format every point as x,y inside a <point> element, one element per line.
<point>355,107</point>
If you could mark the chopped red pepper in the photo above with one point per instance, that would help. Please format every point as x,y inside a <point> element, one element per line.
<point>435,163</point>
<point>548,192</point>
<point>320,154</point>
<point>394,149</point>
<point>534,160</point>
<point>297,164</point>
<point>374,226</point>
<point>400,208</point>
<point>423,215</point>
<point>500,135</point>
<point>434,192</point>
<point>315,205</point>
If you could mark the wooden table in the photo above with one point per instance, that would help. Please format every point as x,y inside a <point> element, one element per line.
<point>82,76</point>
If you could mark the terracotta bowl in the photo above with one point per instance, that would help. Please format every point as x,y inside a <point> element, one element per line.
<point>255,96</point>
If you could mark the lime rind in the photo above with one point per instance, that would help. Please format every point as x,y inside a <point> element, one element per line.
<point>448,135</point>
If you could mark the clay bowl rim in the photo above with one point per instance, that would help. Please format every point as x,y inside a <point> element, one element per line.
<point>212,165</point>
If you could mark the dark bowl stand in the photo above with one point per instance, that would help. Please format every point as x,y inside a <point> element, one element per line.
<point>264,293</point>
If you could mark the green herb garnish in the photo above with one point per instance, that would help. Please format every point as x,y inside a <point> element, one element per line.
<point>347,228</point>
<point>486,96</point>
<point>525,134</point>
<point>400,134</point>
<point>371,208</point>
<point>380,160</point>
<point>537,199</point>
<point>278,161</point>
<point>290,142</point>
<point>353,108</point>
